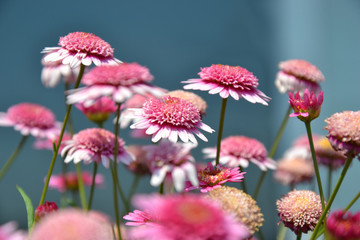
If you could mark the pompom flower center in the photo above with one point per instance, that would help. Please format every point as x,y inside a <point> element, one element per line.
<point>193,213</point>
<point>244,147</point>
<point>345,126</point>
<point>213,176</point>
<point>86,43</point>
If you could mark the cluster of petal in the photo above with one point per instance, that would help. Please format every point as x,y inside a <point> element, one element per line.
<point>73,223</point>
<point>213,177</point>
<point>95,145</point>
<point>344,131</point>
<point>48,143</point>
<point>300,210</point>
<point>140,165</point>
<point>308,107</point>
<point>99,111</point>
<point>70,181</point>
<point>170,118</point>
<point>191,97</point>
<point>171,158</point>
<point>239,151</point>
<point>120,82</point>
<point>343,225</point>
<point>42,210</point>
<point>185,217</point>
<point>291,171</point>
<point>81,48</point>
<point>226,80</point>
<point>8,232</point>
<point>241,205</point>
<point>138,218</point>
<point>30,118</point>
<point>297,75</point>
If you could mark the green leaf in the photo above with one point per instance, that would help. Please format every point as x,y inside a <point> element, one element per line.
<point>29,207</point>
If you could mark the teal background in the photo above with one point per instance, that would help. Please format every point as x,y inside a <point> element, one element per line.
<point>174,39</point>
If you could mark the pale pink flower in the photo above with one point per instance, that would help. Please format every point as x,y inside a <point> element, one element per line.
<point>299,210</point>
<point>296,75</point>
<point>73,223</point>
<point>70,181</point>
<point>95,145</point>
<point>342,225</point>
<point>191,97</point>
<point>8,232</point>
<point>291,171</point>
<point>238,151</point>
<point>186,217</point>
<point>138,218</point>
<point>81,48</point>
<point>307,107</point>
<point>119,82</point>
<point>226,80</point>
<point>44,209</point>
<point>99,111</point>
<point>30,118</point>
<point>344,132</point>
<point>326,155</point>
<point>170,118</point>
<point>213,177</point>
<point>174,159</point>
<point>48,143</point>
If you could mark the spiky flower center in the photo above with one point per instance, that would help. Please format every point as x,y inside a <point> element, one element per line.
<point>345,126</point>
<point>213,176</point>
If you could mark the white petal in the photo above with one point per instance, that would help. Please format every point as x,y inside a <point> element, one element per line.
<point>158,176</point>
<point>178,176</point>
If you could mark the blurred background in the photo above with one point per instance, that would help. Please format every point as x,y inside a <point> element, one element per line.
<point>174,39</point>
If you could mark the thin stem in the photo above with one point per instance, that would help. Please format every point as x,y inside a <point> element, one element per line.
<point>122,195</point>
<point>133,188</point>
<point>261,235</point>
<point>220,131</point>
<point>329,180</point>
<point>352,202</point>
<point>317,173</point>
<point>298,237</point>
<point>161,188</point>
<point>81,186</point>
<point>258,186</point>
<point>243,185</point>
<point>70,122</point>
<point>282,232</point>
<point>116,207</point>
<point>13,156</point>
<point>52,164</point>
<point>92,186</point>
<point>332,197</point>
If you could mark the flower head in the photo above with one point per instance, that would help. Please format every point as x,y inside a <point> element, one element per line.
<point>239,151</point>
<point>8,232</point>
<point>140,165</point>
<point>215,176</point>
<point>99,111</point>
<point>42,210</point>
<point>343,225</point>
<point>241,205</point>
<point>70,181</point>
<point>186,217</point>
<point>30,118</point>
<point>228,81</point>
<point>196,100</point>
<point>299,210</point>
<point>81,48</point>
<point>297,75</point>
<point>291,171</point>
<point>138,218</point>
<point>48,143</point>
<point>170,118</point>
<point>308,107</point>
<point>344,132</point>
<point>95,145</point>
<point>326,155</point>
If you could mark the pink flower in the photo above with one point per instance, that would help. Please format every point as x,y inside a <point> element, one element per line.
<point>171,158</point>
<point>8,232</point>
<point>99,111</point>
<point>119,82</point>
<point>30,118</point>
<point>297,75</point>
<point>95,145</point>
<point>48,143</point>
<point>343,225</point>
<point>344,132</point>
<point>308,107</point>
<point>43,210</point>
<point>170,118</point>
<point>138,218</point>
<point>291,171</point>
<point>191,97</point>
<point>140,165</point>
<point>239,151</point>
<point>228,81</point>
<point>70,181</point>
<point>186,217</point>
<point>81,48</point>
<point>214,177</point>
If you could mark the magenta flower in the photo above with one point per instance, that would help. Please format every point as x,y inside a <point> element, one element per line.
<point>343,225</point>
<point>95,145</point>
<point>226,80</point>
<point>30,118</point>
<point>238,151</point>
<point>308,107</point>
<point>8,232</point>
<point>215,176</point>
<point>139,218</point>
<point>297,75</point>
<point>70,181</point>
<point>81,48</point>
<point>170,118</point>
<point>42,210</point>
<point>99,111</point>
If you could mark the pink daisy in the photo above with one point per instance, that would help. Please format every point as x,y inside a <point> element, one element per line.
<point>343,225</point>
<point>30,118</point>
<point>69,181</point>
<point>119,82</point>
<point>95,145</point>
<point>170,118</point>
<point>48,143</point>
<point>174,159</point>
<point>81,48</point>
<point>291,171</point>
<point>308,107</point>
<point>214,177</point>
<point>139,218</point>
<point>99,111</point>
<point>43,210</point>
<point>297,75</point>
<point>187,217</point>
<point>8,232</point>
<point>239,151</point>
<point>228,81</point>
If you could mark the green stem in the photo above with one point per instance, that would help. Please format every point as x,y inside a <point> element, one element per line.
<point>92,186</point>
<point>352,202</point>
<point>133,187</point>
<point>258,186</point>
<point>122,195</point>
<point>261,235</point>
<point>243,185</point>
<point>298,237</point>
<point>70,122</point>
<point>221,127</point>
<point>329,180</point>
<point>332,197</point>
<point>52,164</point>
<point>161,188</point>
<point>116,207</point>
<point>13,156</point>
<point>317,173</point>
<point>81,186</point>
<point>282,232</point>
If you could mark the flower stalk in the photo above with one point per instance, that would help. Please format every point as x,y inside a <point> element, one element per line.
<point>220,131</point>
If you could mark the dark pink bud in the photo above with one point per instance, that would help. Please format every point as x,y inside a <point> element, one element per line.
<point>45,209</point>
